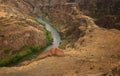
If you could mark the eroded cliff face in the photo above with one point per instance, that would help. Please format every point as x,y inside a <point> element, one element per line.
<point>105,11</point>
<point>94,8</point>
<point>99,7</point>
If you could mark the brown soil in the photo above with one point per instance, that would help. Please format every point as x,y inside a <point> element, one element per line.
<point>95,51</point>
<point>94,57</point>
<point>18,30</point>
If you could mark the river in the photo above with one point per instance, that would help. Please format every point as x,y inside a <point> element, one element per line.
<point>55,34</point>
<point>55,43</point>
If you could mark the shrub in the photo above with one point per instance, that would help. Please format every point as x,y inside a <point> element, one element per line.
<point>36,48</point>
<point>15,58</point>
<point>10,60</point>
<point>49,37</point>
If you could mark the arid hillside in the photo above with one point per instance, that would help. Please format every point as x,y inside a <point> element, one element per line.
<point>89,30</point>
<point>18,32</point>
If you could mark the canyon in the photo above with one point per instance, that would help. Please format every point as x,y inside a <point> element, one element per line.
<point>90,31</point>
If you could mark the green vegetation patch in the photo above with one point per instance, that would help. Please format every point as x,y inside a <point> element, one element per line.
<point>49,38</point>
<point>24,52</point>
<point>36,48</point>
<point>16,57</point>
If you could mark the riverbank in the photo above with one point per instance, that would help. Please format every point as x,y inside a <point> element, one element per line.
<point>53,39</point>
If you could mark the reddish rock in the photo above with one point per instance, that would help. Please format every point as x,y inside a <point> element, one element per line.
<point>51,52</point>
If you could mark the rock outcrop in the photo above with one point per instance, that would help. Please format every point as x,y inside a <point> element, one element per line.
<point>51,52</point>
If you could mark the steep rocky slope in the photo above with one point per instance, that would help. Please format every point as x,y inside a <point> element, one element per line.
<point>17,32</point>
<point>99,7</point>
<point>105,11</point>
